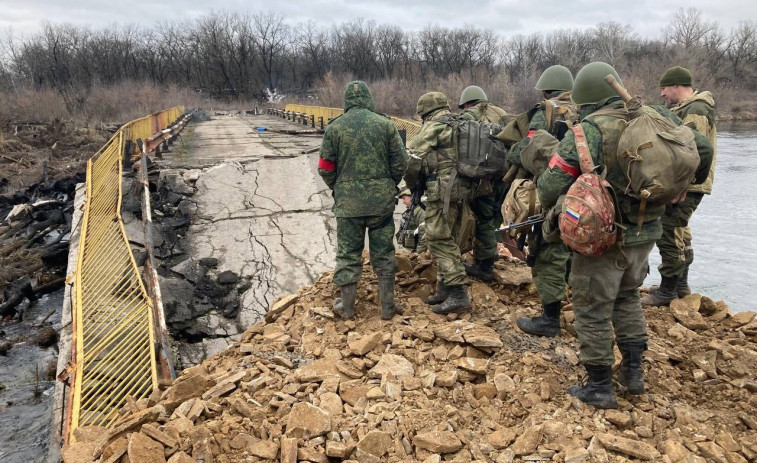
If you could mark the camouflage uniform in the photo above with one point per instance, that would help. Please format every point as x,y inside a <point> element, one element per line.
<point>676,251</point>
<point>488,194</point>
<point>362,161</point>
<point>432,152</point>
<point>415,236</point>
<point>549,270</point>
<point>606,288</point>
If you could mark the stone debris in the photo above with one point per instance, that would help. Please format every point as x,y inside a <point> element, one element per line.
<point>305,386</point>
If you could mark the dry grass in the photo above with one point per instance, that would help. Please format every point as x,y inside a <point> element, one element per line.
<point>397,97</point>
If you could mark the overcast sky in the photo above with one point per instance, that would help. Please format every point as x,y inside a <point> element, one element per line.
<point>506,17</point>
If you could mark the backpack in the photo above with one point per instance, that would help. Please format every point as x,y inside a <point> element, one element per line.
<point>561,113</point>
<point>536,155</point>
<point>658,157</point>
<point>587,220</point>
<point>479,154</point>
<point>521,202</point>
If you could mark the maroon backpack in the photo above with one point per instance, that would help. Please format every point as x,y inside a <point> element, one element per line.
<point>587,221</point>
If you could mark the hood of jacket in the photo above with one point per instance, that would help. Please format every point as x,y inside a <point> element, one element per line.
<point>705,97</point>
<point>357,95</point>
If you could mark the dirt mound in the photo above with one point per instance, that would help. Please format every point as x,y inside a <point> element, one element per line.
<point>303,386</point>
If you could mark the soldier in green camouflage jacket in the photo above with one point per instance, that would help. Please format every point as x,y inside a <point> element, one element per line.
<point>488,194</point>
<point>697,110</point>
<point>550,264</point>
<point>362,161</point>
<point>433,154</point>
<point>606,287</point>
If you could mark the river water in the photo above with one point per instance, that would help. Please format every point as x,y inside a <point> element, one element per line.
<point>724,225</point>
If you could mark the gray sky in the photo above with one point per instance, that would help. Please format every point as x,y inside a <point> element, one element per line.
<point>506,17</point>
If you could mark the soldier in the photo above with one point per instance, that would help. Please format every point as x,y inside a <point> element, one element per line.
<point>550,264</point>
<point>433,154</point>
<point>488,194</point>
<point>606,287</point>
<point>413,238</point>
<point>697,110</point>
<point>362,161</point>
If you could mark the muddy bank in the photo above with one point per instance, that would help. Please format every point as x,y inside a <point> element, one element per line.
<point>304,386</point>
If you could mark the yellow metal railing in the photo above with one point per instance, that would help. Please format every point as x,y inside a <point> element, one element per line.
<point>410,127</point>
<point>114,341</point>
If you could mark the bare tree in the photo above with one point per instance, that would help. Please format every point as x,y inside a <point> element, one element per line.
<point>687,28</point>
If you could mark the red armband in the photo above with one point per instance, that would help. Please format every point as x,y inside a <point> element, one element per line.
<point>531,133</point>
<point>325,164</point>
<point>558,161</point>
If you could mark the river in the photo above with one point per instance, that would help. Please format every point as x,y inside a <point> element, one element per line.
<point>724,226</point>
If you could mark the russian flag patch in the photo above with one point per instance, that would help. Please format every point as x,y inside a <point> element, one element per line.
<point>572,215</point>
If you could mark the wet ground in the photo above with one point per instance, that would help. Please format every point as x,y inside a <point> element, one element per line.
<point>27,379</point>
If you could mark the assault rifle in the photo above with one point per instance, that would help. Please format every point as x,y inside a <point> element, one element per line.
<point>416,193</point>
<point>516,247</point>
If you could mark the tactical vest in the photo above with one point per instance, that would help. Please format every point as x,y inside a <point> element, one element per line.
<point>611,120</point>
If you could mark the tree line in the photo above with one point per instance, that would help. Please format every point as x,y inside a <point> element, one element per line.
<point>233,54</point>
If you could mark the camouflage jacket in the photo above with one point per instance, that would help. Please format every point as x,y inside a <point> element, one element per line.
<point>362,158</point>
<point>603,126</point>
<point>433,154</point>
<point>485,112</point>
<point>698,113</point>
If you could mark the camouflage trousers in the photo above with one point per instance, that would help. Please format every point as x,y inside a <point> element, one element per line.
<point>675,244</point>
<point>441,230</point>
<point>606,296</point>
<point>488,217</point>
<point>549,272</point>
<point>350,240</point>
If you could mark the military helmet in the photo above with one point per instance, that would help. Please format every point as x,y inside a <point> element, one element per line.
<point>555,78</point>
<point>429,102</point>
<point>405,192</point>
<point>472,93</point>
<point>590,86</point>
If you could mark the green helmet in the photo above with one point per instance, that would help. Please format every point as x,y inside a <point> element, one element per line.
<point>429,102</point>
<point>555,78</point>
<point>472,93</point>
<point>405,192</point>
<point>590,86</point>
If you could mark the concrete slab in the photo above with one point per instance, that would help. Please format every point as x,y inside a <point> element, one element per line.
<point>262,210</point>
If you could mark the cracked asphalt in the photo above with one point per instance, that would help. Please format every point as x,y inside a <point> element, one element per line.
<point>261,208</point>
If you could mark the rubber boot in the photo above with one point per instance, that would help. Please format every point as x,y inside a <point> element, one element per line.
<point>665,293</point>
<point>682,285</point>
<point>442,291</point>
<point>457,301</point>
<point>631,374</point>
<point>386,293</point>
<point>482,269</point>
<point>546,324</point>
<point>598,390</point>
<point>345,306</point>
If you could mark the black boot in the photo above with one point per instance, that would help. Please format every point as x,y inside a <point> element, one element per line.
<point>547,324</point>
<point>682,286</point>
<point>663,295</point>
<point>457,301</point>
<point>483,269</point>
<point>345,306</point>
<point>631,374</point>
<point>598,390</point>
<point>386,294</point>
<point>442,291</point>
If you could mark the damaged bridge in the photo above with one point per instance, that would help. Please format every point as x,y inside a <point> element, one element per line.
<point>241,218</point>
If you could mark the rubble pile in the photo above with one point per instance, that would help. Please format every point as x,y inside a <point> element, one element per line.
<point>303,385</point>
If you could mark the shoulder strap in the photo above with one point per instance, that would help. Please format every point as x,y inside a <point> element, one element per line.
<point>584,156</point>
<point>549,112</point>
